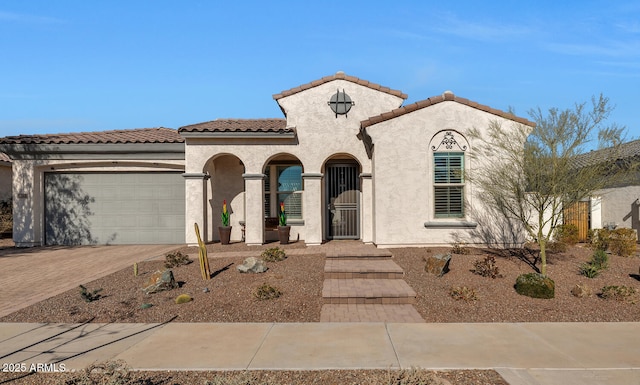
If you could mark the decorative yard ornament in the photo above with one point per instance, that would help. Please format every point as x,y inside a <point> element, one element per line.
<point>283,215</point>
<point>225,214</point>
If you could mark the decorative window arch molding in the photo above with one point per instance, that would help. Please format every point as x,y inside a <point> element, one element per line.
<point>448,140</point>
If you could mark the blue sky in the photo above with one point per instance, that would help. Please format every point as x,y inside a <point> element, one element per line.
<point>70,66</point>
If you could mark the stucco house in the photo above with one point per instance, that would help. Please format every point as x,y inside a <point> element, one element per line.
<point>348,160</point>
<point>617,205</point>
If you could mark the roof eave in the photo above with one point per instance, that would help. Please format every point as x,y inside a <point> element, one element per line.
<point>238,135</point>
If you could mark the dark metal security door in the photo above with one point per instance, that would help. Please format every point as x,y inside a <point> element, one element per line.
<point>343,203</point>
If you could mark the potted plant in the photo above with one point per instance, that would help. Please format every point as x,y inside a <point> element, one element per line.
<point>225,229</point>
<point>283,229</point>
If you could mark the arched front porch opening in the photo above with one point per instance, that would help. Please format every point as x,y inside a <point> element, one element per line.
<point>342,197</point>
<point>283,185</point>
<point>225,184</point>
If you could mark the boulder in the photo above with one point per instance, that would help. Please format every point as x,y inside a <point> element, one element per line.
<point>437,264</point>
<point>252,265</point>
<point>581,291</point>
<point>160,281</point>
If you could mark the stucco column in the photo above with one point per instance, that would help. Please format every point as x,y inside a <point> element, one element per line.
<point>366,208</point>
<point>196,206</point>
<point>312,208</point>
<point>254,208</point>
<point>596,212</point>
<point>27,210</point>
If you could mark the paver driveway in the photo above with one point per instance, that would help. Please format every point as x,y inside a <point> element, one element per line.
<point>30,275</point>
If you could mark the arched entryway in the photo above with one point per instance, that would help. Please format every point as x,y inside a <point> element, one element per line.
<point>342,197</point>
<point>225,184</point>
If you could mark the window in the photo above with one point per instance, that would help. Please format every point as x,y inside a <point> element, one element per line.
<point>283,183</point>
<point>290,190</point>
<point>449,184</point>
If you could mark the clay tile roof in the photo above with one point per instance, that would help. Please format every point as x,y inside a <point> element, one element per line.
<point>240,126</point>
<point>447,96</point>
<point>624,151</point>
<point>4,158</point>
<point>342,76</point>
<point>140,135</point>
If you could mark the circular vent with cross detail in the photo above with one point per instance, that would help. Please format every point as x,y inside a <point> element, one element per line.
<point>340,103</point>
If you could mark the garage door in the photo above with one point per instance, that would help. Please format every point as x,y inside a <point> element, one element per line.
<point>114,208</point>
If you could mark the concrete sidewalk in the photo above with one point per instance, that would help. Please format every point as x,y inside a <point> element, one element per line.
<point>523,353</point>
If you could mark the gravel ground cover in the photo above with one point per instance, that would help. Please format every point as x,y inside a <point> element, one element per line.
<point>230,297</point>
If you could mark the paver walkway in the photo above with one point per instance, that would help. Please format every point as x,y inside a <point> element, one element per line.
<point>365,285</point>
<point>34,274</point>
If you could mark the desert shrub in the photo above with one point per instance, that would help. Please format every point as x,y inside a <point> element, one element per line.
<point>274,254</point>
<point>463,293</point>
<point>557,247</point>
<point>623,242</point>
<point>619,293</point>
<point>459,248</point>
<point>598,262</point>
<point>567,234</point>
<point>487,267</point>
<point>413,376</point>
<point>89,296</point>
<point>176,259</point>
<point>619,241</point>
<point>599,239</point>
<point>6,216</point>
<point>600,259</point>
<point>267,291</point>
<point>110,372</point>
<point>183,298</point>
<point>589,270</point>
<point>535,285</point>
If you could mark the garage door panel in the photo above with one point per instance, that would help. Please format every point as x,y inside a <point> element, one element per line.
<point>114,208</point>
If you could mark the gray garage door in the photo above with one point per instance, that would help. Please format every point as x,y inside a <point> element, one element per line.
<point>114,208</point>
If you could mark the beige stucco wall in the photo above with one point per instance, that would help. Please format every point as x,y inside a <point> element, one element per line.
<point>403,178</point>
<point>621,206</point>
<point>28,188</point>
<point>320,136</point>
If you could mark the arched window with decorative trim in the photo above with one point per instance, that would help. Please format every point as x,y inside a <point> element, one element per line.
<point>448,149</point>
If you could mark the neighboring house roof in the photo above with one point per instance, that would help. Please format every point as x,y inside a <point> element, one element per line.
<point>240,128</point>
<point>340,76</point>
<point>624,151</point>
<point>446,96</point>
<point>141,135</point>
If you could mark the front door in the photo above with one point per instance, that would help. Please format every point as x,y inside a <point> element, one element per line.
<point>343,201</point>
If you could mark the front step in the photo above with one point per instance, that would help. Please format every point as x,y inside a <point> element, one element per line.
<point>370,313</point>
<point>375,254</point>
<point>367,291</point>
<point>364,269</point>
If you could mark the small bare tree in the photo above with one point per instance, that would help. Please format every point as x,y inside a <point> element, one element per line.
<point>535,172</point>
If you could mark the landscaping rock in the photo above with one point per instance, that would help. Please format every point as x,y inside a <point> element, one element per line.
<point>252,265</point>
<point>437,264</point>
<point>160,281</point>
<point>581,291</point>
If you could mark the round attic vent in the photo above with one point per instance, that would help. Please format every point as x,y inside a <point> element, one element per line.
<point>340,103</point>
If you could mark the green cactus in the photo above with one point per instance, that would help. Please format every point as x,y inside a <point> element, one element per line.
<point>202,255</point>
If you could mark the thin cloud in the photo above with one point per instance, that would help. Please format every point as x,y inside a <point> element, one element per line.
<point>489,31</point>
<point>31,19</point>
<point>610,48</point>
